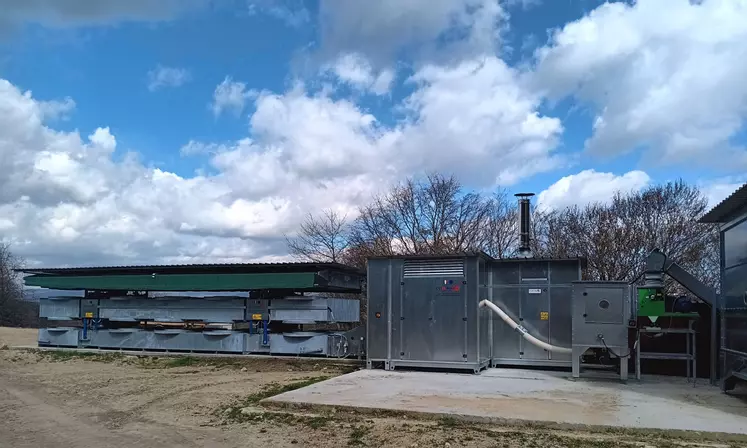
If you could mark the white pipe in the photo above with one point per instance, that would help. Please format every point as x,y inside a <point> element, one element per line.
<point>523,331</point>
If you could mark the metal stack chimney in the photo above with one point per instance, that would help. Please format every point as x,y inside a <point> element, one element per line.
<point>525,224</point>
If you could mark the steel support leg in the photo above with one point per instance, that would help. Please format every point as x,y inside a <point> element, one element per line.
<point>576,353</point>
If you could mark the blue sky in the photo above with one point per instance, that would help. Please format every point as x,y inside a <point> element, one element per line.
<point>205,130</point>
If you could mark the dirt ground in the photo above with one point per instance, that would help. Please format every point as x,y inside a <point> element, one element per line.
<point>53,399</point>
<point>18,336</point>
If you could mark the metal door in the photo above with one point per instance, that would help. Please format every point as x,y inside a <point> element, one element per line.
<point>506,341</point>
<point>535,318</point>
<point>560,319</point>
<point>432,311</point>
<point>448,325</point>
<point>415,320</point>
<point>433,320</point>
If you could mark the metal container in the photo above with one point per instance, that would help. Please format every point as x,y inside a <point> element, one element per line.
<point>314,309</point>
<point>59,337</point>
<point>117,338</point>
<point>423,312</point>
<point>601,311</point>
<point>536,294</point>
<point>59,308</point>
<point>300,343</point>
<point>167,340</point>
<point>173,309</point>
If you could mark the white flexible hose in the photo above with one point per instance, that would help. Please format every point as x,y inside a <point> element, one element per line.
<point>523,331</point>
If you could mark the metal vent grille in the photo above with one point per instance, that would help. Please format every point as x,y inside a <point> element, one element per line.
<point>434,268</point>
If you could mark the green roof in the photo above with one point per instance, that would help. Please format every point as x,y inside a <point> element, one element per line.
<point>320,277</point>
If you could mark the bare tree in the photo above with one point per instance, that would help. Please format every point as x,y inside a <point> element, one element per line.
<point>616,237</point>
<point>430,216</point>
<point>321,239</point>
<point>14,311</point>
<point>500,230</point>
<point>436,215</point>
<point>9,279</point>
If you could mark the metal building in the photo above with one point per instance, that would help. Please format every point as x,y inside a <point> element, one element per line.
<point>731,215</point>
<point>423,312</point>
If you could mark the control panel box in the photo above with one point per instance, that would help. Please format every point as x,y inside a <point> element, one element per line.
<point>600,314</point>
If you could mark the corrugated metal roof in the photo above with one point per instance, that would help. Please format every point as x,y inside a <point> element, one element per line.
<point>433,256</point>
<point>582,260</point>
<point>728,208</point>
<point>196,268</point>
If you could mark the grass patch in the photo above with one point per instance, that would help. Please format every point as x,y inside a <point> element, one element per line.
<point>233,412</point>
<point>285,418</point>
<point>67,355</point>
<point>273,389</point>
<point>179,361</point>
<point>449,422</point>
<point>357,435</point>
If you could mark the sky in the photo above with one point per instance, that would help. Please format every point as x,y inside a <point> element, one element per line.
<point>183,131</point>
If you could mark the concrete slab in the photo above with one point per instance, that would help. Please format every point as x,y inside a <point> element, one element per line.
<point>537,396</point>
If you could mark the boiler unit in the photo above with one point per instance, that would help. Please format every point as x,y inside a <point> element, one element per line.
<point>536,295</point>
<point>423,312</point>
<point>601,319</point>
<point>533,298</point>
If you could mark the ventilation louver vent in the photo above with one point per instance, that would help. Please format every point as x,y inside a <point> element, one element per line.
<point>434,268</point>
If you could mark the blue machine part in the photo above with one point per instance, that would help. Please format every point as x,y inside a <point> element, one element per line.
<point>265,336</point>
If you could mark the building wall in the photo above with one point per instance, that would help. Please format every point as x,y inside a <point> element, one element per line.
<point>734,294</point>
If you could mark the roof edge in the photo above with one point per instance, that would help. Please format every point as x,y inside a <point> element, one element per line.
<point>725,210</point>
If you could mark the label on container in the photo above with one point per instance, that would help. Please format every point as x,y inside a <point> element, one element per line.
<point>256,317</point>
<point>544,315</point>
<point>88,314</point>
<point>535,291</point>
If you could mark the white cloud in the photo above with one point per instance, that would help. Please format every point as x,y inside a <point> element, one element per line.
<point>167,77</point>
<point>476,119</point>
<point>355,70</point>
<point>292,12</point>
<point>57,110</point>
<point>382,29</point>
<point>70,202</point>
<point>590,186</point>
<point>66,13</point>
<point>231,95</point>
<point>193,148</point>
<point>668,76</point>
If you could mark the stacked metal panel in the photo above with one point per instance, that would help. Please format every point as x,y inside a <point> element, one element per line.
<point>167,340</point>
<point>173,309</point>
<point>233,308</point>
<point>121,314</point>
<point>313,309</point>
